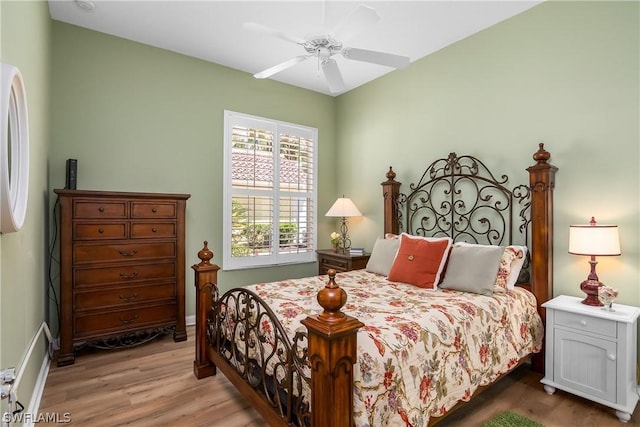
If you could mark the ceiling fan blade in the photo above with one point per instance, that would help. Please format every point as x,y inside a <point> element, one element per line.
<point>333,76</point>
<point>355,22</point>
<point>263,29</point>
<point>388,59</point>
<point>280,67</point>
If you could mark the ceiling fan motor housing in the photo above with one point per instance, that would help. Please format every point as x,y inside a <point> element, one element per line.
<point>322,46</point>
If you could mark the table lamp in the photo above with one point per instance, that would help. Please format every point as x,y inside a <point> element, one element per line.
<point>344,207</point>
<point>593,240</point>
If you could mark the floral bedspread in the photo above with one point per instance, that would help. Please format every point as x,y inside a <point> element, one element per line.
<point>420,351</point>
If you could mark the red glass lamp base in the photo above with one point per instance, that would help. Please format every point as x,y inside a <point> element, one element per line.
<point>590,287</point>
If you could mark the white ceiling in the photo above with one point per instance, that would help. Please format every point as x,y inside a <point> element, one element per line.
<point>213,30</point>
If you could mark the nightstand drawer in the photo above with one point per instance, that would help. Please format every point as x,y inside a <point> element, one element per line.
<point>336,264</point>
<point>586,323</point>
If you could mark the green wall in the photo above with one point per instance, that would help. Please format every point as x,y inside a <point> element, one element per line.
<point>26,44</point>
<point>563,73</point>
<point>139,118</point>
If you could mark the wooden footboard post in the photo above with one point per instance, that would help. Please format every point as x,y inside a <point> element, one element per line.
<point>542,182</point>
<point>390,191</point>
<point>206,282</point>
<point>332,354</point>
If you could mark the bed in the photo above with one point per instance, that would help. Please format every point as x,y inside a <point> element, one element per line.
<point>365,348</point>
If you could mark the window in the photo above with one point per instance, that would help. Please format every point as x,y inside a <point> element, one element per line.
<point>269,192</point>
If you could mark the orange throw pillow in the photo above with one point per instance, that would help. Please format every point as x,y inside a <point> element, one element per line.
<point>420,261</point>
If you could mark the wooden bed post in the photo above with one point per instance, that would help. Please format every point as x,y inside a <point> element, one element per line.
<point>542,182</point>
<point>390,191</point>
<point>332,353</point>
<point>206,282</point>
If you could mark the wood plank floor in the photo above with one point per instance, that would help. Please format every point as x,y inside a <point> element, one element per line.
<point>153,385</point>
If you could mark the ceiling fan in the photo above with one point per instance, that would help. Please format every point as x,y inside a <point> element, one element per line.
<point>325,46</point>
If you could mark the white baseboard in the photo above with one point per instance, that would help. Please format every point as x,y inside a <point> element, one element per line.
<point>191,320</point>
<point>38,390</point>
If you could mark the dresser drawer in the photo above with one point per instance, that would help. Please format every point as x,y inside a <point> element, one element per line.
<point>99,209</point>
<point>95,231</point>
<point>116,321</point>
<point>586,323</point>
<point>104,298</point>
<point>142,230</point>
<point>123,274</point>
<point>86,253</point>
<point>153,210</point>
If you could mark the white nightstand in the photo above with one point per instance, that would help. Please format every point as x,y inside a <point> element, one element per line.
<point>591,353</point>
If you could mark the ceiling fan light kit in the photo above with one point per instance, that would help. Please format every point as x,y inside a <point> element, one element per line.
<point>324,47</point>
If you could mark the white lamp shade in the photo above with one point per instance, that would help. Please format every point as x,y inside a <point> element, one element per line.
<point>596,240</point>
<point>343,207</point>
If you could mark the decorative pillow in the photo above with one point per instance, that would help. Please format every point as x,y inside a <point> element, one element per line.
<point>420,260</point>
<point>518,254</point>
<point>510,265</point>
<point>472,268</point>
<point>382,256</point>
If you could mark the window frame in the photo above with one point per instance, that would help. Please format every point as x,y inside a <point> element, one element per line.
<point>231,119</point>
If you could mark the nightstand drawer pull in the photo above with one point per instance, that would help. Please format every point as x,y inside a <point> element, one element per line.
<point>583,322</point>
<point>611,357</point>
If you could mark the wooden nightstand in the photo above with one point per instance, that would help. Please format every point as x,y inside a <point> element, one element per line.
<point>591,353</point>
<point>339,261</point>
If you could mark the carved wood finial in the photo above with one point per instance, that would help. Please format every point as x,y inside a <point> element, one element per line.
<point>542,155</point>
<point>331,298</point>
<point>205,255</point>
<point>391,175</point>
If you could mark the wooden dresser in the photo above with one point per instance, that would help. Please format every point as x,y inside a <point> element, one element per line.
<point>122,268</point>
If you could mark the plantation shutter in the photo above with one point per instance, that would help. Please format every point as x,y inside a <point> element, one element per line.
<point>270,192</point>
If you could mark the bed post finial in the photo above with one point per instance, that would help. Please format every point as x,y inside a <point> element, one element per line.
<point>541,156</point>
<point>331,298</point>
<point>391,175</point>
<point>205,255</point>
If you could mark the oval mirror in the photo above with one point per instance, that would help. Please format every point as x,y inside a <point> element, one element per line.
<point>14,150</point>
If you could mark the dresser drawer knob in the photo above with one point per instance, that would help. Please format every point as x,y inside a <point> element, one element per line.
<point>129,276</point>
<point>100,230</point>
<point>129,298</point>
<point>154,210</point>
<point>154,229</point>
<point>100,209</point>
<point>583,323</point>
<point>611,357</point>
<point>131,253</point>
<point>129,320</point>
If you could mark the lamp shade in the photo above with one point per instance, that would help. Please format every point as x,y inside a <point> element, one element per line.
<point>594,240</point>
<point>343,207</point>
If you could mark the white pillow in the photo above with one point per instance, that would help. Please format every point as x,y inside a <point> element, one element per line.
<point>472,268</point>
<point>510,265</point>
<point>382,255</point>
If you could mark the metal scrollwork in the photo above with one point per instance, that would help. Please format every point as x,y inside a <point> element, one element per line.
<point>246,333</point>
<point>459,197</point>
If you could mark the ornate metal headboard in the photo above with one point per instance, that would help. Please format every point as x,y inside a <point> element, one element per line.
<point>460,197</point>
